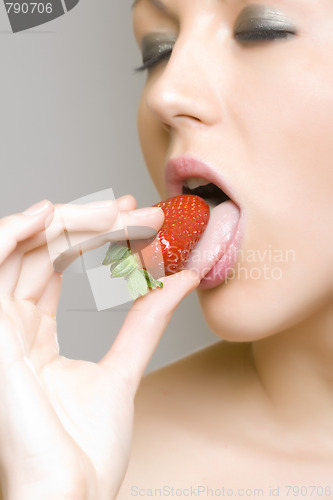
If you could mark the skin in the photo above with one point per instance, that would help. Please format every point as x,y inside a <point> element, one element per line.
<point>66,423</point>
<point>262,113</point>
<point>254,412</point>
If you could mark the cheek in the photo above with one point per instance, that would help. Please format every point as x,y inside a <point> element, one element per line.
<point>297,191</point>
<point>286,113</point>
<point>288,200</point>
<point>244,310</point>
<point>154,144</point>
<point>291,159</point>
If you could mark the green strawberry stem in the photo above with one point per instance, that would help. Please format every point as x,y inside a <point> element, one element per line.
<point>123,264</point>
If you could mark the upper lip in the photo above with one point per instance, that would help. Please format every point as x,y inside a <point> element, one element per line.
<point>181,168</point>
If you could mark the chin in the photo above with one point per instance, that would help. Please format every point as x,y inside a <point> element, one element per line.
<point>247,311</point>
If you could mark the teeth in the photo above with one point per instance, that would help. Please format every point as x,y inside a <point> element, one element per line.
<point>194,182</point>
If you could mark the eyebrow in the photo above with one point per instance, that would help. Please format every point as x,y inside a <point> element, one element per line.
<point>157,3</point>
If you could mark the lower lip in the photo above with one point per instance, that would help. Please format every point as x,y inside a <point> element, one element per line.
<point>225,264</point>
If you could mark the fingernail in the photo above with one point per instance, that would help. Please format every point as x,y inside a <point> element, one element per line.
<point>37,208</point>
<point>101,204</point>
<point>142,212</point>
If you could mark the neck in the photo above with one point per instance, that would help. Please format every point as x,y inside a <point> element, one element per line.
<point>295,369</point>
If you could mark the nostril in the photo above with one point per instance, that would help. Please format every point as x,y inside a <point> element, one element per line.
<point>176,101</point>
<point>188,116</point>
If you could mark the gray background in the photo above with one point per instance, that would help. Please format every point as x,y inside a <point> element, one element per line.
<point>67,129</point>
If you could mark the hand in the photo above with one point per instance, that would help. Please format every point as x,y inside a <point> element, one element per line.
<point>66,425</point>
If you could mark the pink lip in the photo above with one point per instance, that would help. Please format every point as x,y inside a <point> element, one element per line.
<point>179,169</point>
<point>183,167</point>
<point>221,269</point>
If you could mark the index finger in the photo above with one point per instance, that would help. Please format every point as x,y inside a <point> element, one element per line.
<point>76,230</point>
<point>144,325</point>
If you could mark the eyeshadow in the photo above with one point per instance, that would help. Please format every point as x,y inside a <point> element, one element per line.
<point>154,44</point>
<point>257,16</point>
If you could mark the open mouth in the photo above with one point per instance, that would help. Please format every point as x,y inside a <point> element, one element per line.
<point>211,193</point>
<point>216,252</point>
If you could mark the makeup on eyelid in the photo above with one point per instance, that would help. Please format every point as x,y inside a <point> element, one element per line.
<point>257,16</point>
<point>154,44</point>
<point>253,17</point>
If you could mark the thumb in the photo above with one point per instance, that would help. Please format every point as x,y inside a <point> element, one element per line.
<point>144,326</point>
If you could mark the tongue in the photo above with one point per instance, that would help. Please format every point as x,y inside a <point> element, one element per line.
<point>215,240</point>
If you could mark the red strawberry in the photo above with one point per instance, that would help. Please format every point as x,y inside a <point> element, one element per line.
<point>185,219</point>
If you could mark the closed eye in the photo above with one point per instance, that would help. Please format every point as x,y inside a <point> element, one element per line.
<point>262,35</point>
<point>258,35</point>
<point>149,63</point>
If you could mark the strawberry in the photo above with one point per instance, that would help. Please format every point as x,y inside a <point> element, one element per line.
<point>185,219</point>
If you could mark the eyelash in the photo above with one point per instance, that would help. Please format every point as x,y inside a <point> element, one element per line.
<point>264,34</point>
<point>246,36</point>
<point>154,61</point>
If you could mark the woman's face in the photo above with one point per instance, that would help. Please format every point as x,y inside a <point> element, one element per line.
<point>248,90</point>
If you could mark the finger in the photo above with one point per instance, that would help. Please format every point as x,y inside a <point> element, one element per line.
<point>126,203</point>
<point>11,346</point>
<point>141,224</point>
<point>9,274</point>
<point>92,217</point>
<point>38,266</point>
<point>36,272</point>
<point>144,326</point>
<point>19,227</point>
<point>73,225</point>
<point>76,225</point>
<point>32,231</point>
<point>48,302</point>
<point>34,331</point>
<point>13,231</point>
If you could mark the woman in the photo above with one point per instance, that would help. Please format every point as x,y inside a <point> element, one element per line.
<point>244,102</point>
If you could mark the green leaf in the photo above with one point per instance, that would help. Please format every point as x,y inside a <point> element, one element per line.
<point>136,283</point>
<point>115,252</point>
<point>151,282</point>
<point>124,267</point>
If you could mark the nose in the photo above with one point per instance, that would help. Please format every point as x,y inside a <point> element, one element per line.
<point>184,89</point>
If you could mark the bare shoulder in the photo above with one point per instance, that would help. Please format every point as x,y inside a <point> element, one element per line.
<point>179,414</point>
<point>184,382</point>
<point>202,420</point>
<point>176,392</point>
